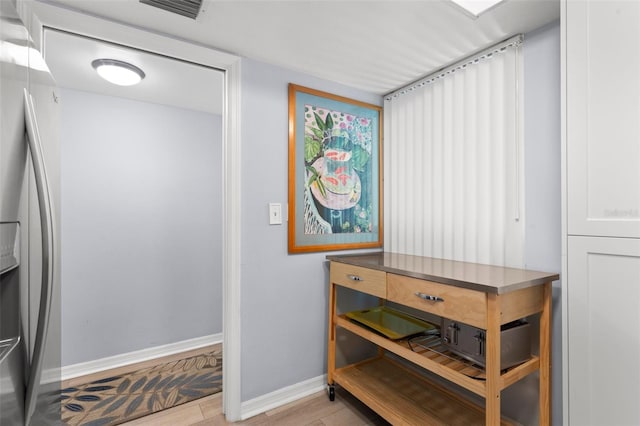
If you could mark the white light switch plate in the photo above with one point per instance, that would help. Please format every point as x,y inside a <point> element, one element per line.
<point>275,214</point>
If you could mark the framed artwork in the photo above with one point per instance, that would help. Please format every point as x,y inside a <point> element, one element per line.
<point>335,168</point>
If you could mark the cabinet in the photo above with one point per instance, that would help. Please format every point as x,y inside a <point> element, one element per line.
<point>601,297</point>
<point>603,106</point>
<point>604,308</point>
<point>483,296</point>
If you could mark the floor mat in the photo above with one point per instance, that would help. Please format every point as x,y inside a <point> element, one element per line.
<point>118,399</point>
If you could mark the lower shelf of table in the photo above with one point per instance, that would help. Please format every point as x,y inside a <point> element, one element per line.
<point>403,396</point>
<point>442,363</point>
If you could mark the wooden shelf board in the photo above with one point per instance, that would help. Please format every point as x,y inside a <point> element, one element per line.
<point>404,397</point>
<point>445,364</point>
<point>456,375</point>
<point>519,372</point>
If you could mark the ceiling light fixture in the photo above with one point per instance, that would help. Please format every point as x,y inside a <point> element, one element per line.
<point>476,7</point>
<point>118,72</point>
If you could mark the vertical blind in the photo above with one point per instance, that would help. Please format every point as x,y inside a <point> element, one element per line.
<point>453,162</point>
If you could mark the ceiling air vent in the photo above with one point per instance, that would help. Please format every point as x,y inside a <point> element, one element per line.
<point>188,8</point>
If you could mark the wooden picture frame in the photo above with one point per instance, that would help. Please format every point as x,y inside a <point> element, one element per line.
<point>335,172</point>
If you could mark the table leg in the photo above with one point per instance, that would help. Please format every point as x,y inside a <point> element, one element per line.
<point>493,361</point>
<point>545,357</point>
<point>331,349</point>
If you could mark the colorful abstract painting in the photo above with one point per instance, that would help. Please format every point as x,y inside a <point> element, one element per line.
<point>334,170</point>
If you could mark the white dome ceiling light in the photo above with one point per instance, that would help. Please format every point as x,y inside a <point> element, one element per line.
<point>118,72</point>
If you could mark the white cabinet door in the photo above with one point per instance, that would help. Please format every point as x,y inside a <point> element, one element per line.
<point>603,117</point>
<point>603,331</point>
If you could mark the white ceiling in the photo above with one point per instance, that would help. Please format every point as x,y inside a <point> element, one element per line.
<point>167,81</point>
<point>373,45</point>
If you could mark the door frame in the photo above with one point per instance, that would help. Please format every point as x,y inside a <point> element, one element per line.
<point>39,15</point>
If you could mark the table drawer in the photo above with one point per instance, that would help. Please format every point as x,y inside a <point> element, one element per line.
<point>460,304</point>
<point>365,280</point>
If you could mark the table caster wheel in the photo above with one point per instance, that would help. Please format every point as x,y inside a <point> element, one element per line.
<point>332,392</point>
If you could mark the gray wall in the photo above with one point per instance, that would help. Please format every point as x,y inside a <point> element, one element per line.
<point>542,138</point>
<point>542,180</point>
<point>284,297</point>
<point>141,225</point>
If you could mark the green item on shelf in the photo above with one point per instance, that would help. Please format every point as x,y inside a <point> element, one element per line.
<point>389,322</point>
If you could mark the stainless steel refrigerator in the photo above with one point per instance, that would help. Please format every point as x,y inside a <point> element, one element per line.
<point>29,247</point>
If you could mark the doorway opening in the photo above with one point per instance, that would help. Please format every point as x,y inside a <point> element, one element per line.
<point>143,203</point>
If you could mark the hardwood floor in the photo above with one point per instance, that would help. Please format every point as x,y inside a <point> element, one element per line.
<point>314,410</point>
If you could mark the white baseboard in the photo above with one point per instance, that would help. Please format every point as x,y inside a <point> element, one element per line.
<point>102,364</point>
<point>282,396</point>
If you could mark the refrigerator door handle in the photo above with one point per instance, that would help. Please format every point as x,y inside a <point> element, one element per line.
<point>48,253</point>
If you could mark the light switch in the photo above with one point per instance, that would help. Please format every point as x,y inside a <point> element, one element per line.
<point>275,214</point>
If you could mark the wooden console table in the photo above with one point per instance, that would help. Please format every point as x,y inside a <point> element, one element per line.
<point>482,296</point>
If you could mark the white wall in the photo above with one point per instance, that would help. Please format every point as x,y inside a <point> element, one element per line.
<point>141,225</point>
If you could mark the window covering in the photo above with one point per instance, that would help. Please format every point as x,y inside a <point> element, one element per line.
<point>453,162</point>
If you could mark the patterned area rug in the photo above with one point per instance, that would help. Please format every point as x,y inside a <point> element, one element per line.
<point>115,400</point>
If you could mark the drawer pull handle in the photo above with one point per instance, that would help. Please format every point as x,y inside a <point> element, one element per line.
<point>355,278</point>
<point>429,297</point>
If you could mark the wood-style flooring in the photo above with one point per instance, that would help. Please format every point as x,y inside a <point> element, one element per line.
<point>314,410</point>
